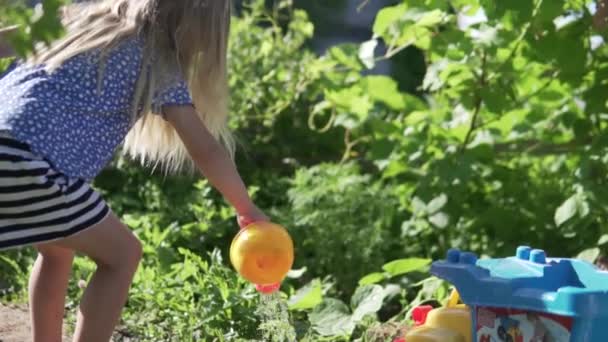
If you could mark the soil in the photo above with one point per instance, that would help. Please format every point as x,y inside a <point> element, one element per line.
<point>15,324</point>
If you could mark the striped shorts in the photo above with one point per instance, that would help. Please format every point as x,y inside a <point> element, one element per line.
<point>39,204</point>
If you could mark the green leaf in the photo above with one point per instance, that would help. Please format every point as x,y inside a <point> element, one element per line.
<point>346,121</point>
<point>430,18</point>
<point>300,23</point>
<point>469,6</point>
<point>395,168</point>
<point>332,318</point>
<point>418,206</point>
<point>346,54</point>
<point>549,10</point>
<point>307,297</point>
<point>381,149</point>
<point>603,240</point>
<point>485,35</point>
<point>403,266</point>
<point>566,211</point>
<point>416,117</point>
<point>509,120</point>
<point>372,278</point>
<point>412,34</point>
<point>4,64</point>
<point>494,99</point>
<point>387,16</point>
<point>367,300</point>
<point>576,205</point>
<point>439,220</point>
<point>12,264</point>
<point>589,255</point>
<point>437,203</point>
<point>422,39</point>
<point>351,100</point>
<point>432,82</point>
<point>385,89</point>
<point>296,274</point>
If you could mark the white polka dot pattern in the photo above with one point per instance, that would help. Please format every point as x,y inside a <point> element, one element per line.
<point>65,119</point>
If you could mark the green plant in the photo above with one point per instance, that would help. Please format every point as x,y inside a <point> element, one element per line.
<point>501,144</point>
<point>508,132</point>
<point>342,222</point>
<point>330,319</point>
<point>14,267</point>
<point>35,26</point>
<point>191,299</point>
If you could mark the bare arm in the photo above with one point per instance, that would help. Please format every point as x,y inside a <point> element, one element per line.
<point>5,49</point>
<point>213,161</point>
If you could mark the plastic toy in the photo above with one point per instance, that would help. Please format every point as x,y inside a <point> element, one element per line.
<point>262,253</point>
<point>524,298</point>
<point>451,323</point>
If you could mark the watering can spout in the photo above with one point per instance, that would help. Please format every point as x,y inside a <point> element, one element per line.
<point>268,289</point>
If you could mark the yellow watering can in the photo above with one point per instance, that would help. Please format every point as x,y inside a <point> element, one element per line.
<point>262,253</point>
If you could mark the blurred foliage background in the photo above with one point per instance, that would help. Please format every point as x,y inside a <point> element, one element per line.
<point>377,132</point>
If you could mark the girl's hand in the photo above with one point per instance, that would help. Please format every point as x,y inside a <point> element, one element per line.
<point>250,216</point>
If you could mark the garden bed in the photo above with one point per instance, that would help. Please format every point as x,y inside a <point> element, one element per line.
<point>15,324</point>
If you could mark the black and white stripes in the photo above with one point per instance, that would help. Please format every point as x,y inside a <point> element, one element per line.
<point>38,204</point>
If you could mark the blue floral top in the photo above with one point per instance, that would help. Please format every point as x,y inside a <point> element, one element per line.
<point>63,116</point>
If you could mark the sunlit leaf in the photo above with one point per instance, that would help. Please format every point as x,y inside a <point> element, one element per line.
<point>332,318</point>
<point>383,88</point>
<point>387,16</point>
<point>367,53</point>
<point>372,278</point>
<point>589,255</point>
<point>307,297</point>
<point>566,211</point>
<point>437,203</point>
<point>403,266</point>
<point>367,300</point>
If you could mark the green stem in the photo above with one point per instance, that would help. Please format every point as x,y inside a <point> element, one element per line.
<point>478,102</point>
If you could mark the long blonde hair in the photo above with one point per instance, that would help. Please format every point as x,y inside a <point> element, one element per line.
<point>189,37</point>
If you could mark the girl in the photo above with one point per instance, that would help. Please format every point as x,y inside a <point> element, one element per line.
<point>148,73</point>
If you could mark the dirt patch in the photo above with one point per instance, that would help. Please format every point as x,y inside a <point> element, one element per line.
<point>15,324</point>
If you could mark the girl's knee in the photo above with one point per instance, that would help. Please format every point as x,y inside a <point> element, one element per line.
<point>134,252</point>
<point>127,255</point>
<point>55,253</point>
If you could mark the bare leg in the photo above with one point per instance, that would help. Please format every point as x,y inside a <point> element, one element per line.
<point>117,253</point>
<point>47,291</point>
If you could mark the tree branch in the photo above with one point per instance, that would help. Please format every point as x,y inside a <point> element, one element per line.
<point>362,4</point>
<point>478,103</point>
<point>539,148</point>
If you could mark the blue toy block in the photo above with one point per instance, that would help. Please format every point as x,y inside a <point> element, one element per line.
<point>552,299</point>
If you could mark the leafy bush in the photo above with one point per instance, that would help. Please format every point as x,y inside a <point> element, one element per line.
<point>35,26</point>
<point>503,143</point>
<point>343,222</point>
<point>331,319</point>
<point>191,299</point>
<point>509,132</point>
